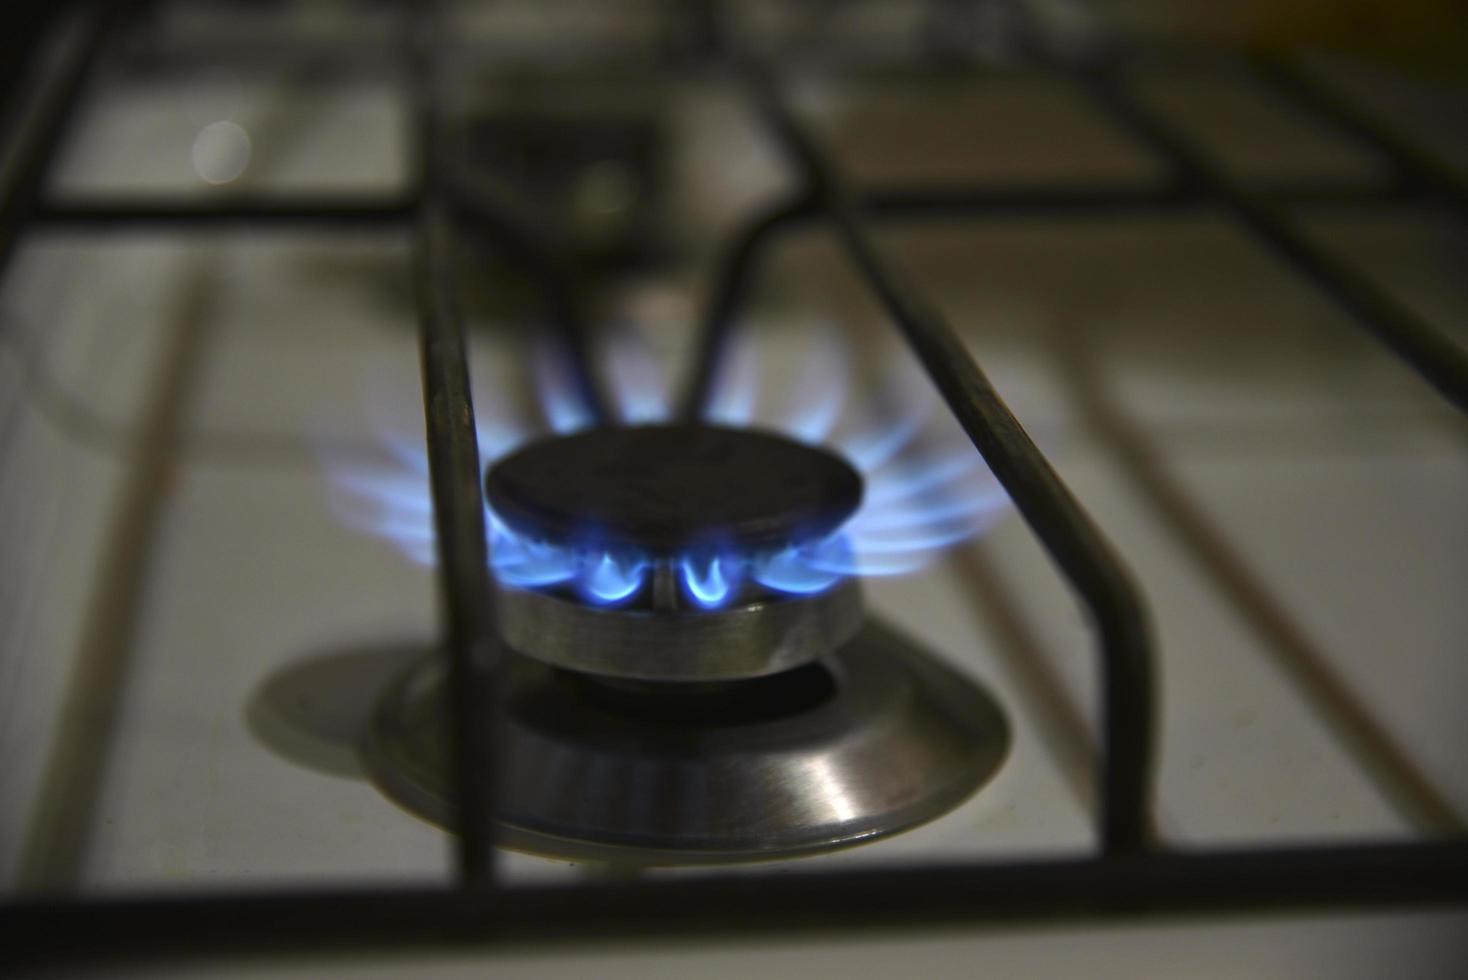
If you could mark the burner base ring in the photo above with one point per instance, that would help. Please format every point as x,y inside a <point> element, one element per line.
<point>764,637</point>
<point>892,740</point>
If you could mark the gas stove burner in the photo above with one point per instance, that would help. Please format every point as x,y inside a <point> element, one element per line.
<point>657,495</point>
<point>876,738</point>
<point>688,673</point>
<point>666,489</point>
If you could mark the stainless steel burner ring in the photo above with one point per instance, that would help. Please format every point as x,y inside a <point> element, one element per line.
<point>766,636</point>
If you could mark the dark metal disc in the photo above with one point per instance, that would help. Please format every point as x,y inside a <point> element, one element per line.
<point>666,487</point>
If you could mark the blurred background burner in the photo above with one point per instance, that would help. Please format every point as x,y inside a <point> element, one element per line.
<point>597,177</point>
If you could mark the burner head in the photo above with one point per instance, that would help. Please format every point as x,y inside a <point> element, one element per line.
<point>665,488</point>
<point>755,639</point>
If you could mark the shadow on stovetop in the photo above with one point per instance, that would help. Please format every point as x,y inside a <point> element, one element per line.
<point>314,710</point>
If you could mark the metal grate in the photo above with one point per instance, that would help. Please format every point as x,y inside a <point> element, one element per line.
<point>1130,875</point>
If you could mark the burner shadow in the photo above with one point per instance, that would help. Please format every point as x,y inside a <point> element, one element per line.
<point>313,711</point>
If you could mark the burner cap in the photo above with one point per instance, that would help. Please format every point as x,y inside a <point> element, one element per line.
<point>667,487</point>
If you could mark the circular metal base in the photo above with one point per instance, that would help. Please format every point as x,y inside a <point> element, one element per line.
<point>877,738</point>
<point>663,488</point>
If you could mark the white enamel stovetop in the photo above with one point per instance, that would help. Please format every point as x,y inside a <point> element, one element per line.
<point>1336,477</point>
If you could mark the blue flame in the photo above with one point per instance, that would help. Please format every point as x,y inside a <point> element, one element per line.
<point>523,563</point>
<point>925,537</point>
<point>917,502</point>
<point>735,389</point>
<point>868,450</point>
<point>820,393</point>
<point>496,439</point>
<point>612,579</point>
<point>850,563</point>
<point>793,571</point>
<point>637,383</point>
<point>909,480</point>
<point>977,506</point>
<point>710,583</point>
<point>393,500</point>
<point>391,492</point>
<point>555,384</point>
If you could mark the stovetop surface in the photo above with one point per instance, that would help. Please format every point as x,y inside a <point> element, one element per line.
<point>1284,490</point>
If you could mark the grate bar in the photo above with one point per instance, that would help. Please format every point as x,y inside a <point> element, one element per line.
<point>41,129</point>
<point>1054,515</point>
<point>458,508</point>
<point>1155,884</point>
<point>126,213</point>
<point>1024,200</point>
<point>1423,171</point>
<point>1428,351</point>
<point>458,505</point>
